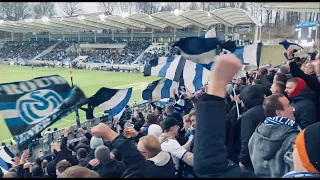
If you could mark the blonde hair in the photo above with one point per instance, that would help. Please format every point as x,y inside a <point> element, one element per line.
<point>151,145</point>
<point>79,172</point>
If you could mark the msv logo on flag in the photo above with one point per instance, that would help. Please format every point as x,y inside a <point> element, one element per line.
<point>32,107</point>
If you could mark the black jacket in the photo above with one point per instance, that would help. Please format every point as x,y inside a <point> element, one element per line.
<point>252,97</point>
<point>210,154</point>
<point>311,80</point>
<point>111,169</point>
<point>132,158</point>
<point>305,111</point>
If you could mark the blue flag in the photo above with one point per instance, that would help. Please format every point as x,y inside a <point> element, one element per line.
<point>160,89</point>
<point>5,159</point>
<point>166,67</point>
<point>111,101</point>
<point>286,44</point>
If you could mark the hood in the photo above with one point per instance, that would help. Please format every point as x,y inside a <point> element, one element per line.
<point>161,159</point>
<point>301,84</point>
<point>271,137</point>
<point>305,94</point>
<point>251,96</point>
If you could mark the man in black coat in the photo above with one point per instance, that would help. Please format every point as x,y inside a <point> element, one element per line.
<point>210,153</point>
<point>252,98</point>
<point>302,99</point>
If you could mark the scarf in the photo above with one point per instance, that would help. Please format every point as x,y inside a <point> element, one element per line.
<point>299,174</point>
<point>283,121</point>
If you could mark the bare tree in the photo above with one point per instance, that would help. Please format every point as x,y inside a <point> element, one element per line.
<point>44,9</point>
<point>193,6</point>
<point>107,7</point>
<point>128,7</point>
<point>71,8</point>
<point>14,11</point>
<point>147,7</point>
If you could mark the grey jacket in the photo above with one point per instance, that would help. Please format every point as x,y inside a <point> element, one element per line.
<point>270,149</point>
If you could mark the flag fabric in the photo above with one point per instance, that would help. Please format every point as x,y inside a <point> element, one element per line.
<point>23,104</point>
<point>179,105</point>
<point>5,159</point>
<point>160,89</point>
<point>194,76</point>
<point>249,54</point>
<point>286,44</point>
<point>202,49</point>
<point>166,67</point>
<point>112,101</point>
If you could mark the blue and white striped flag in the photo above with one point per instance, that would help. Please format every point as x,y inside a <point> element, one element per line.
<point>166,67</point>
<point>5,159</point>
<point>111,101</point>
<point>194,76</point>
<point>249,54</point>
<point>179,105</point>
<point>202,49</point>
<point>160,89</point>
<point>286,44</point>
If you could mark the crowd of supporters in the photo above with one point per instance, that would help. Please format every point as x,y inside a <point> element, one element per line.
<point>262,125</point>
<point>24,49</point>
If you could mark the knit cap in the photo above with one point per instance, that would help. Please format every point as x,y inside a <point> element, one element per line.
<point>95,142</point>
<point>308,147</point>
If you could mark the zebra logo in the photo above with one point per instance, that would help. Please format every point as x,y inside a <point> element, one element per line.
<point>32,107</point>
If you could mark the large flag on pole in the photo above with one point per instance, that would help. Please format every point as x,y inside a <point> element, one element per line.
<point>28,107</point>
<point>112,101</point>
<point>166,67</point>
<point>160,89</point>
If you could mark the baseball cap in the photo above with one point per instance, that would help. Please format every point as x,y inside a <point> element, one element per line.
<point>169,122</point>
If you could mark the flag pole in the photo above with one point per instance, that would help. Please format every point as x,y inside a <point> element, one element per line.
<point>77,112</point>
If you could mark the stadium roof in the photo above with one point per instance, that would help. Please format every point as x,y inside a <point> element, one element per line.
<point>293,6</point>
<point>98,21</point>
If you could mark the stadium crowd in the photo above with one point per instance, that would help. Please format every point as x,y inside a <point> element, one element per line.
<point>24,49</point>
<point>268,127</point>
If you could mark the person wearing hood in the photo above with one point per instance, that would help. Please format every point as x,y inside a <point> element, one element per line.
<point>305,154</point>
<point>302,100</point>
<point>108,167</point>
<point>159,163</point>
<point>252,99</point>
<point>272,142</point>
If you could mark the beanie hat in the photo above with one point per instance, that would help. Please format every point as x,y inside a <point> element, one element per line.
<point>308,147</point>
<point>155,130</point>
<point>301,84</point>
<point>102,153</point>
<point>95,142</point>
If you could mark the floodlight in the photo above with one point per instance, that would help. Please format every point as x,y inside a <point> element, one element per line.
<point>81,17</point>
<point>45,19</point>
<point>61,19</point>
<point>177,12</point>
<point>102,16</point>
<point>124,14</point>
<point>209,14</point>
<point>149,17</point>
<point>1,21</point>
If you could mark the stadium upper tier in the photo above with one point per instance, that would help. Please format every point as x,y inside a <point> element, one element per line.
<point>293,6</point>
<point>177,19</point>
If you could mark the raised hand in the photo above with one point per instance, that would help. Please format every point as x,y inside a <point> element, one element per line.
<point>94,162</point>
<point>66,132</point>
<point>103,131</point>
<point>224,69</point>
